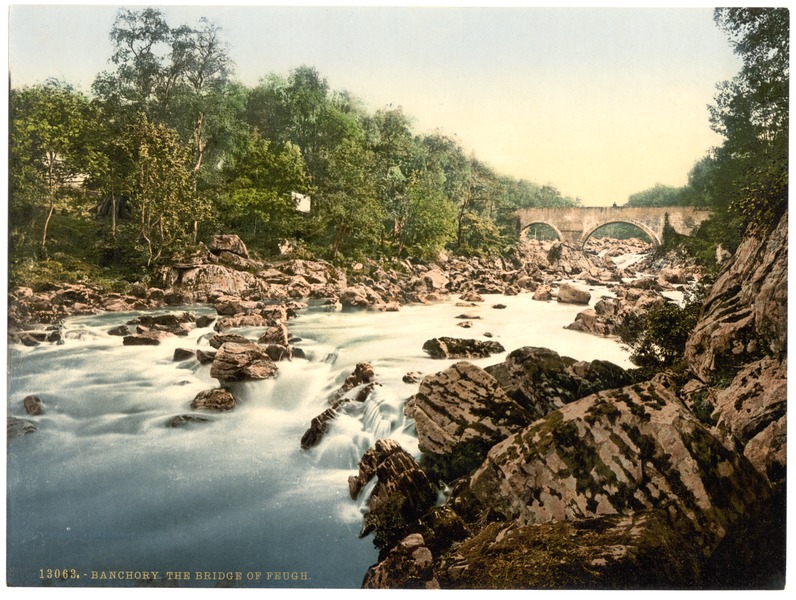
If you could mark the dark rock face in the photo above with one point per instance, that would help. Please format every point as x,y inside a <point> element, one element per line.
<point>215,399</point>
<point>177,324</point>
<point>181,354</point>
<point>120,330</point>
<point>448,347</point>
<point>402,495</point>
<point>204,357</point>
<point>149,338</point>
<point>242,362</point>
<point>459,414</point>
<point>540,380</point>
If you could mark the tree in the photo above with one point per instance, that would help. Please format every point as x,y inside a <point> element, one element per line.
<point>658,195</point>
<point>751,112</point>
<point>346,200</point>
<point>429,224</point>
<point>259,181</point>
<point>47,128</point>
<point>160,186</point>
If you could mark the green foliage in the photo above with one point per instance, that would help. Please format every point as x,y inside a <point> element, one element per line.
<point>160,188</point>
<point>658,195</point>
<point>657,338</point>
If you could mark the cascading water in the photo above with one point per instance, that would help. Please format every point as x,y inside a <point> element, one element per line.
<point>105,485</point>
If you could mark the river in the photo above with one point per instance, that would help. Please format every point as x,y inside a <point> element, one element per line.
<point>105,486</point>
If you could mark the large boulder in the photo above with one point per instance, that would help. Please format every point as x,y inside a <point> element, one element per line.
<point>571,294</point>
<point>459,415</point>
<point>211,280</point>
<point>242,362</point>
<point>615,453</point>
<point>361,296</point>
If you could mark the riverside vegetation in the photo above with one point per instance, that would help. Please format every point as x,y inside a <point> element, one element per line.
<point>175,185</point>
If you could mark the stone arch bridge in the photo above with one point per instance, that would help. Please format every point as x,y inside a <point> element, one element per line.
<point>574,225</point>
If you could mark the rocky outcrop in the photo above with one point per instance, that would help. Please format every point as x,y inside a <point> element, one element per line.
<point>541,381</point>
<point>745,314</point>
<point>620,489</point>
<point>364,378</point>
<point>242,362</point>
<point>403,492</point>
<point>610,314</point>
<point>752,412</point>
<point>459,414</point>
<point>53,302</point>
<point>448,347</point>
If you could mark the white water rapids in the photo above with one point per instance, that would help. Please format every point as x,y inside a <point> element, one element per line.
<point>104,484</point>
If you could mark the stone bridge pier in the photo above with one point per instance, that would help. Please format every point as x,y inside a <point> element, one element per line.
<point>574,225</point>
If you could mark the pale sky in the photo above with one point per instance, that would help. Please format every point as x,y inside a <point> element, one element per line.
<point>599,102</point>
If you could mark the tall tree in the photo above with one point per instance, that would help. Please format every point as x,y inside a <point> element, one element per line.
<point>751,112</point>
<point>160,186</point>
<point>47,127</point>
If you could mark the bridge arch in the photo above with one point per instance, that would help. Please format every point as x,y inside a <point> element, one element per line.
<point>555,229</point>
<point>650,233</point>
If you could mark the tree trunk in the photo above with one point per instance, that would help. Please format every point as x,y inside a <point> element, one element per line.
<point>51,190</point>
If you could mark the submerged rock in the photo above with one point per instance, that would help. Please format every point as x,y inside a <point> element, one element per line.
<point>17,427</point>
<point>186,420</point>
<point>33,405</point>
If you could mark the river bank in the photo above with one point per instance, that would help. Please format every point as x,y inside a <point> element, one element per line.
<point>301,347</point>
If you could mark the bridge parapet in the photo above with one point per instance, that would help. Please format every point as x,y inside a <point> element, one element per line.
<point>574,225</point>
